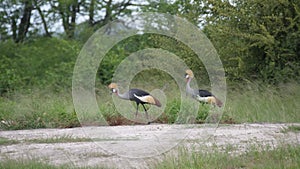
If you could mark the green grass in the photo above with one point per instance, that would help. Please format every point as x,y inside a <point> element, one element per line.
<point>36,164</point>
<point>6,141</point>
<point>188,113</point>
<point>259,103</point>
<point>283,157</point>
<point>60,139</point>
<point>14,164</point>
<point>292,128</point>
<point>70,139</point>
<point>37,109</point>
<point>248,103</point>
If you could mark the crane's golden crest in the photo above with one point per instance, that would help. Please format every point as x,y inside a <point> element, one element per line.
<point>113,86</point>
<point>190,73</point>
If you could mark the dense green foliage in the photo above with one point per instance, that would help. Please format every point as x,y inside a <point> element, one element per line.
<point>257,40</point>
<point>43,62</point>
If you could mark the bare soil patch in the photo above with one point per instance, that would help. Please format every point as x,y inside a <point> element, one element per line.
<point>138,146</point>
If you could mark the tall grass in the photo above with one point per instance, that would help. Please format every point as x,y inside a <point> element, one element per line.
<point>6,141</point>
<point>185,111</point>
<point>256,102</point>
<point>13,164</point>
<point>283,157</point>
<point>36,164</point>
<point>37,109</point>
<point>247,103</point>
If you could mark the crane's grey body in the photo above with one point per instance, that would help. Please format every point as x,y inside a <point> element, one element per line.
<point>137,95</point>
<point>134,95</point>
<point>200,95</point>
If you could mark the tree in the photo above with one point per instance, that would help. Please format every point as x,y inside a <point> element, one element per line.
<point>112,10</point>
<point>67,9</point>
<point>70,10</point>
<point>16,19</point>
<point>23,18</point>
<point>16,16</point>
<point>256,38</point>
<point>37,5</point>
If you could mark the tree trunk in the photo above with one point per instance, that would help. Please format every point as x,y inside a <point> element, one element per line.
<point>91,12</point>
<point>68,14</point>
<point>25,21</point>
<point>14,28</point>
<point>72,24</point>
<point>43,18</point>
<point>108,12</point>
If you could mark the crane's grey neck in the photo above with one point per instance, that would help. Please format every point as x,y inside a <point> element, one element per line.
<point>189,90</point>
<point>124,95</point>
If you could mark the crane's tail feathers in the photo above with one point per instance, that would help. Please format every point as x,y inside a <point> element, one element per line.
<point>150,100</point>
<point>218,102</point>
<point>157,103</point>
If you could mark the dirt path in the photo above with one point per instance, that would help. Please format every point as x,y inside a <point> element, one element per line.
<point>138,146</point>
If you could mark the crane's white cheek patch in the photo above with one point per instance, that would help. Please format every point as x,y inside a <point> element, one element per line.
<point>147,99</point>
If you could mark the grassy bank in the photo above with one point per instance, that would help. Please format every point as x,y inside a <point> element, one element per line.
<point>35,164</point>
<point>248,103</point>
<point>37,109</point>
<point>256,102</point>
<point>282,157</point>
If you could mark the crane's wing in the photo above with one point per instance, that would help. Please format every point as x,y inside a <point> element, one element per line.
<point>139,95</point>
<point>138,92</point>
<point>204,93</point>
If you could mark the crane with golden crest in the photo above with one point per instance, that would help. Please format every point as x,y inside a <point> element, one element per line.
<point>137,95</point>
<point>198,94</point>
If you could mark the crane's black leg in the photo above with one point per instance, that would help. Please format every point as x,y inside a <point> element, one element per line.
<point>145,111</point>
<point>137,109</point>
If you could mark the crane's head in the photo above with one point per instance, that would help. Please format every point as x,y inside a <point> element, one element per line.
<point>189,74</point>
<point>113,87</point>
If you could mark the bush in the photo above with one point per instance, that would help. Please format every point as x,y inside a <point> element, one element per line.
<point>39,63</point>
<point>38,109</point>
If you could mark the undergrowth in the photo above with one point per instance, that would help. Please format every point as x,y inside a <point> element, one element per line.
<point>282,157</point>
<point>245,104</point>
<point>257,102</point>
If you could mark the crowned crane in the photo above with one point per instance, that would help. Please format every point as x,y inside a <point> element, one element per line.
<point>200,95</point>
<point>137,95</point>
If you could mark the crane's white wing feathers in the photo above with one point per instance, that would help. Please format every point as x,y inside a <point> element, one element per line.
<point>146,99</point>
<point>205,99</point>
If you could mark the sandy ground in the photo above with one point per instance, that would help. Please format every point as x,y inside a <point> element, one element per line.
<point>142,145</point>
